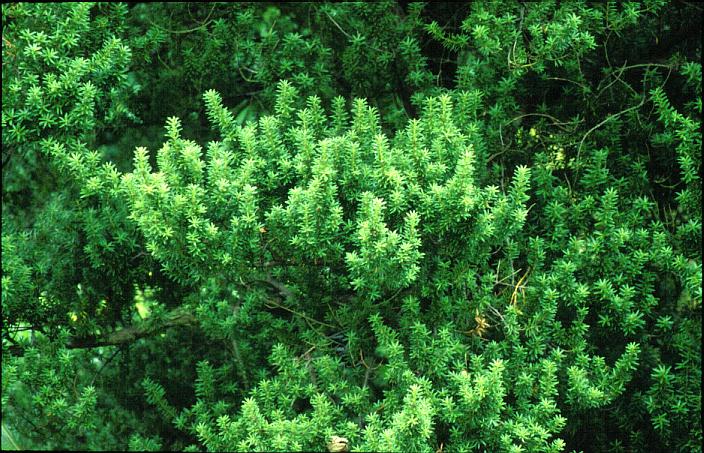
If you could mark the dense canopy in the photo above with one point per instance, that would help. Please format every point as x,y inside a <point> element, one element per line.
<point>352,226</point>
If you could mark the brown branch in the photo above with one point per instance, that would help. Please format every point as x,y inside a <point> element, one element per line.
<point>175,318</point>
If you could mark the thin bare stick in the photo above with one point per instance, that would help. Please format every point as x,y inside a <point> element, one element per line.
<point>306,317</point>
<point>555,121</point>
<point>608,118</point>
<point>344,32</point>
<point>203,24</point>
<point>114,354</point>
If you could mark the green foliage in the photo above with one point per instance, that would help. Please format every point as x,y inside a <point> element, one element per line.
<point>64,76</point>
<point>374,227</point>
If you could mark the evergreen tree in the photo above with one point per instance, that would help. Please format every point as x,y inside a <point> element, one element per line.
<point>352,227</point>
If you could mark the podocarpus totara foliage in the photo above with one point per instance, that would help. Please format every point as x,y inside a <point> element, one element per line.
<point>415,227</point>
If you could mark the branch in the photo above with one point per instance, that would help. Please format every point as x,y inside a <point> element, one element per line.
<point>606,120</point>
<point>114,354</point>
<point>274,304</point>
<point>284,290</point>
<point>347,34</point>
<point>202,25</point>
<point>175,318</point>
<point>555,121</point>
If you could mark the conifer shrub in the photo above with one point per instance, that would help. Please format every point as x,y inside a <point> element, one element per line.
<point>352,227</point>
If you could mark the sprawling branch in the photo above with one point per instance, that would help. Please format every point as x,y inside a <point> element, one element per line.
<point>175,318</point>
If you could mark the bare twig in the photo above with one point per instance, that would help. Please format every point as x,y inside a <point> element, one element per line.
<point>582,85</point>
<point>337,25</point>
<point>203,24</point>
<point>555,121</point>
<point>606,120</point>
<point>512,51</point>
<point>514,296</point>
<point>344,32</point>
<point>297,313</point>
<point>114,354</point>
